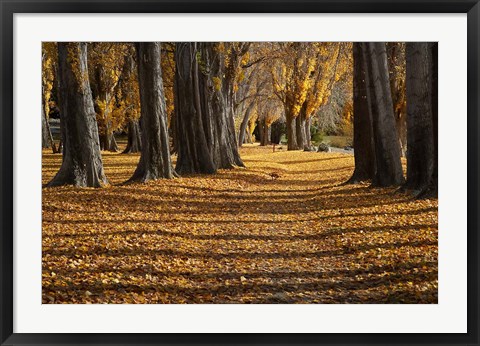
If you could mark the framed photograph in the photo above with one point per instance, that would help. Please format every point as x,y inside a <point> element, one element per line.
<point>236,173</point>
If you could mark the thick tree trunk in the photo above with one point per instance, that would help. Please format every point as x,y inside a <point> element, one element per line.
<point>225,154</point>
<point>291,136</point>
<point>194,154</point>
<point>208,102</point>
<point>432,190</point>
<point>421,143</point>
<point>243,125</point>
<point>362,122</point>
<point>387,149</point>
<point>134,144</point>
<point>155,162</point>
<point>82,162</point>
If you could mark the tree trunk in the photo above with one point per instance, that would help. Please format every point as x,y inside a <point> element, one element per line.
<point>134,144</point>
<point>291,137</point>
<point>308,135</point>
<point>265,133</point>
<point>45,137</point>
<point>421,143</point>
<point>194,155</point>
<point>362,121</point>
<point>155,162</point>
<point>225,153</point>
<point>243,125</point>
<point>300,129</point>
<point>249,137</point>
<point>82,162</point>
<point>432,190</point>
<point>113,147</point>
<point>387,149</point>
<point>396,65</point>
<point>401,125</point>
<point>50,137</point>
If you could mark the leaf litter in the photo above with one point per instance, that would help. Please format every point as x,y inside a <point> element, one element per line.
<point>283,230</point>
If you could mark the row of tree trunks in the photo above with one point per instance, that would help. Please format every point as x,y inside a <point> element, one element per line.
<point>82,161</point>
<point>155,161</point>
<point>204,124</point>
<point>376,142</point>
<point>298,131</point>
<point>384,167</point>
<point>422,120</point>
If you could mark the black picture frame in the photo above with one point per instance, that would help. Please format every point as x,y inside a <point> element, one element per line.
<point>9,8</point>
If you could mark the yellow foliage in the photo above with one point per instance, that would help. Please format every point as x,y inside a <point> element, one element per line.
<point>217,83</point>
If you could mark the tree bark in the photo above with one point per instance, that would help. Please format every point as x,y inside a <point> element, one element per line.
<point>291,132</point>
<point>265,133</point>
<point>45,137</point>
<point>82,162</point>
<point>249,137</point>
<point>387,149</point>
<point>308,135</point>
<point>300,129</point>
<point>134,144</point>
<point>205,124</point>
<point>243,125</point>
<point>194,154</point>
<point>155,161</point>
<point>113,147</point>
<point>432,190</point>
<point>362,121</point>
<point>396,63</point>
<point>225,154</point>
<point>421,143</point>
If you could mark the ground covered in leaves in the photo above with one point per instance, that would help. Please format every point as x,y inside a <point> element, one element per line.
<point>283,230</point>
